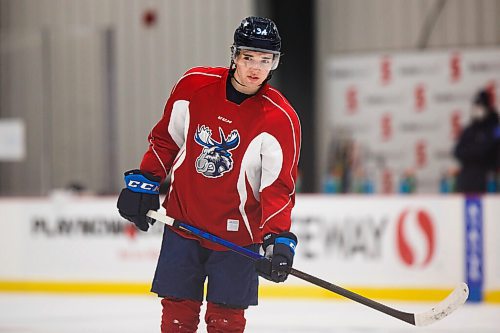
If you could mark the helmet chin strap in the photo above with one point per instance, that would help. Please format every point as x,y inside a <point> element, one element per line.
<point>235,79</point>
<point>232,70</point>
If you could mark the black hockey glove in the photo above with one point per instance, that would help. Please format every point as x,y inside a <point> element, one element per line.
<point>139,196</point>
<point>278,251</point>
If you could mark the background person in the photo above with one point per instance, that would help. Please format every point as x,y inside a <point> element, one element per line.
<point>478,145</point>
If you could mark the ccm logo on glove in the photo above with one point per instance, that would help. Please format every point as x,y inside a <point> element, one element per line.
<point>139,183</point>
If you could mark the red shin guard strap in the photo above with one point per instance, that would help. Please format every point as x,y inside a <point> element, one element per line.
<point>221,319</point>
<point>180,315</point>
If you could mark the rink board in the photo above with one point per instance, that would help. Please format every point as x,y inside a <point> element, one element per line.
<point>491,216</point>
<point>389,247</point>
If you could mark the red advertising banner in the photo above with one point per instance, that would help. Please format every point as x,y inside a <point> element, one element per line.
<point>402,112</point>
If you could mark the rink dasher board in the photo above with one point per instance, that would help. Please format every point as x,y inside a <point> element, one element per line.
<point>391,247</point>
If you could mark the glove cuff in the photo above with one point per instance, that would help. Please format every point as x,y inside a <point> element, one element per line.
<point>139,182</point>
<point>288,234</point>
<point>288,239</point>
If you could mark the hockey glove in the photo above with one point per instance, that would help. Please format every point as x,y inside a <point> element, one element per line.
<point>278,251</point>
<point>139,196</point>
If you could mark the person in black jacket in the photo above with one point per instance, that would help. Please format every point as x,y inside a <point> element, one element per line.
<point>478,146</point>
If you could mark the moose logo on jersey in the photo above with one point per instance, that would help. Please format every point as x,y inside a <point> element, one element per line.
<point>215,159</point>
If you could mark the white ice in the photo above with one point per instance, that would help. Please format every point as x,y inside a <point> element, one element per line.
<point>62,313</point>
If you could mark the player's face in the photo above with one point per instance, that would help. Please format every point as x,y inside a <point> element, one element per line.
<point>253,67</point>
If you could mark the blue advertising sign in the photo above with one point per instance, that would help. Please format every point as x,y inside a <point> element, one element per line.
<point>474,264</point>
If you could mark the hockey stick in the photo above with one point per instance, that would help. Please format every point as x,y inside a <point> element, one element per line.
<point>454,300</point>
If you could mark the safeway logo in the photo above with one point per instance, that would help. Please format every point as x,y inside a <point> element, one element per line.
<point>385,70</point>
<point>386,127</point>
<point>416,241</point>
<point>455,67</point>
<point>421,154</point>
<point>420,98</point>
<point>351,100</point>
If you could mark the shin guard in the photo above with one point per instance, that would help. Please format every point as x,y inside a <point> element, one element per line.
<point>223,319</point>
<point>180,315</point>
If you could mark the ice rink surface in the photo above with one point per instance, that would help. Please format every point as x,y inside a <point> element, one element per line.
<point>58,313</point>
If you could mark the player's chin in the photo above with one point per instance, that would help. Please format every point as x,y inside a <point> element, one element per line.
<point>255,81</point>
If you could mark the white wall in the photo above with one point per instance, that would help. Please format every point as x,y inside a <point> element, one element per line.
<point>378,25</point>
<point>52,69</point>
<point>54,73</point>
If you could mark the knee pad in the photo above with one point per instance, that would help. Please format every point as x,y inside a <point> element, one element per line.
<point>224,319</point>
<point>180,315</point>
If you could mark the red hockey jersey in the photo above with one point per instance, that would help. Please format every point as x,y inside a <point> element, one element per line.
<point>233,166</point>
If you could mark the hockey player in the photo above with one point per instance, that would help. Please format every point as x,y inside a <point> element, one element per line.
<point>231,143</point>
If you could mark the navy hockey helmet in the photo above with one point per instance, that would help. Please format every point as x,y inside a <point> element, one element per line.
<point>257,34</point>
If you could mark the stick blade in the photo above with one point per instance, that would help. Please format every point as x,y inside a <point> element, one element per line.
<point>454,300</point>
